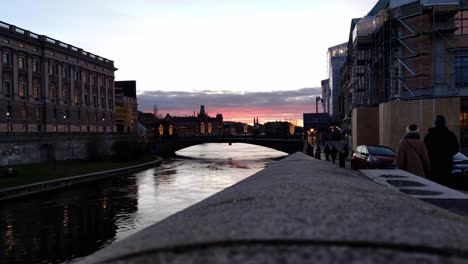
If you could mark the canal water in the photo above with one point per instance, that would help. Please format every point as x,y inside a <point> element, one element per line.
<point>64,226</point>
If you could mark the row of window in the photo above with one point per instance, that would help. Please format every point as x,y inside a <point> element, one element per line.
<point>53,94</point>
<point>66,71</point>
<point>26,128</point>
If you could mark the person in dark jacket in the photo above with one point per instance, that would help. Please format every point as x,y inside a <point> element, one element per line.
<point>442,145</point>
<point>327,152</point>
<point>333,153</point>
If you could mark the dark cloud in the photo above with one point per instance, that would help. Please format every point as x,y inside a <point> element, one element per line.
<point>176,100</point>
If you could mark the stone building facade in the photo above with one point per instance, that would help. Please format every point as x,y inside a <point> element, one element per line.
<point>50,86</point>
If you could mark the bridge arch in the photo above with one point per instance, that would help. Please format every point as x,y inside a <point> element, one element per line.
<point>169,147</point>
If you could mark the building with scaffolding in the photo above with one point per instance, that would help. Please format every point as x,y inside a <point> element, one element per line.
<point>407,62</point>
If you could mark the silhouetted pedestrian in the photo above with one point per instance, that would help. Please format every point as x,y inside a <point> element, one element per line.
<point>442,145</point>
<point>310,150</point>
<point>318,152</point>
<point>333,153</point>
<point>411,153</point>
<point>326,150</point>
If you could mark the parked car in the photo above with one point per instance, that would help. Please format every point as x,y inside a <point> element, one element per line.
<point>373,157</point>
<point>460,171</point>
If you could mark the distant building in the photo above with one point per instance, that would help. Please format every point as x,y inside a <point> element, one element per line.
<point>279,129</point>
<point>49,86</point>
<point>336,59</point>
<point>188,126</point>
<point>126,113</point>
<point>317,121</point>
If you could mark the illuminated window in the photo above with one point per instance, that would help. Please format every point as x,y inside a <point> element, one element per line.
<point>461,22</point>
<point>75,98</point>
<point>23,112</point>
<point>36,90</point>
<point>22,90</point>
<point>10,127</point>
<point>161,130</point>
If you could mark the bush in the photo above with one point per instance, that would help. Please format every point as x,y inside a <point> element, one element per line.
<point>127,150</point>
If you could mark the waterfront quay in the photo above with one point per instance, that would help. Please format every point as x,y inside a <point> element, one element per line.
<point>300,210</point>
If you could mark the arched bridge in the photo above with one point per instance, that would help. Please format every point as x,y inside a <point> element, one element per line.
<point>168,147</point>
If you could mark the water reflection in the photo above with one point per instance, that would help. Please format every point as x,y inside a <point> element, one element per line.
<point>65,225</point>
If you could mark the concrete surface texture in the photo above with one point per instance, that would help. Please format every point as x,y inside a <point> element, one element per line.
<point>300,210</point>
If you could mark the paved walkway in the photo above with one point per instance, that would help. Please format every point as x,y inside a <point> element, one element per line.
<point>300,210</point>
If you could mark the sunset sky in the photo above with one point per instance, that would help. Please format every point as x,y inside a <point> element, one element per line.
<point>241,58</point>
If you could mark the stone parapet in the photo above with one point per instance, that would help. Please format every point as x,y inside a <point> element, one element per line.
<point>300,210</point>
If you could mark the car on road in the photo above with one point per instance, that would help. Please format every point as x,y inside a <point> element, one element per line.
<point>373,157</point>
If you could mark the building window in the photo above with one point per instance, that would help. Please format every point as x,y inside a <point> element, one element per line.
<point>52,69</point>
<point>86,100</point>
<point>25,128</point>
<point>79,115</point>
<point>35,66</point>
<point>86,78</point>
<point>22,90</point>
<point>75,98</point>
<point>110,104</point>
<point>55,113</point>
<point>461,72</point>
<point>52,93</point>
<point>36,90</point>
<point>461,22</point>
<point>6,58</point>
<point>38,113</point>
<point>10,127</point>
<point>21,63</point>
<point>39,128</point>
<point>7,88</point>
<point>65,95</point>
<point>23,112</point>
<point>95,102</point>
<point>76,75</point>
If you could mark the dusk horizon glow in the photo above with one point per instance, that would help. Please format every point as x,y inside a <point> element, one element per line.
<point>189,46</point>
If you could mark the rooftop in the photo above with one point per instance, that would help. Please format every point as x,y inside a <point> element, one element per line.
<point>52,43</point>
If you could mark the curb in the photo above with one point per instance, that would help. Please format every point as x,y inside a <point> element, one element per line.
<point>24,190</point>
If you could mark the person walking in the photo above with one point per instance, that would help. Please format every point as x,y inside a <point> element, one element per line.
<point>442,145</point>
<point>327,152</point>
<point>411,155</point>
<point>333,153</point>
